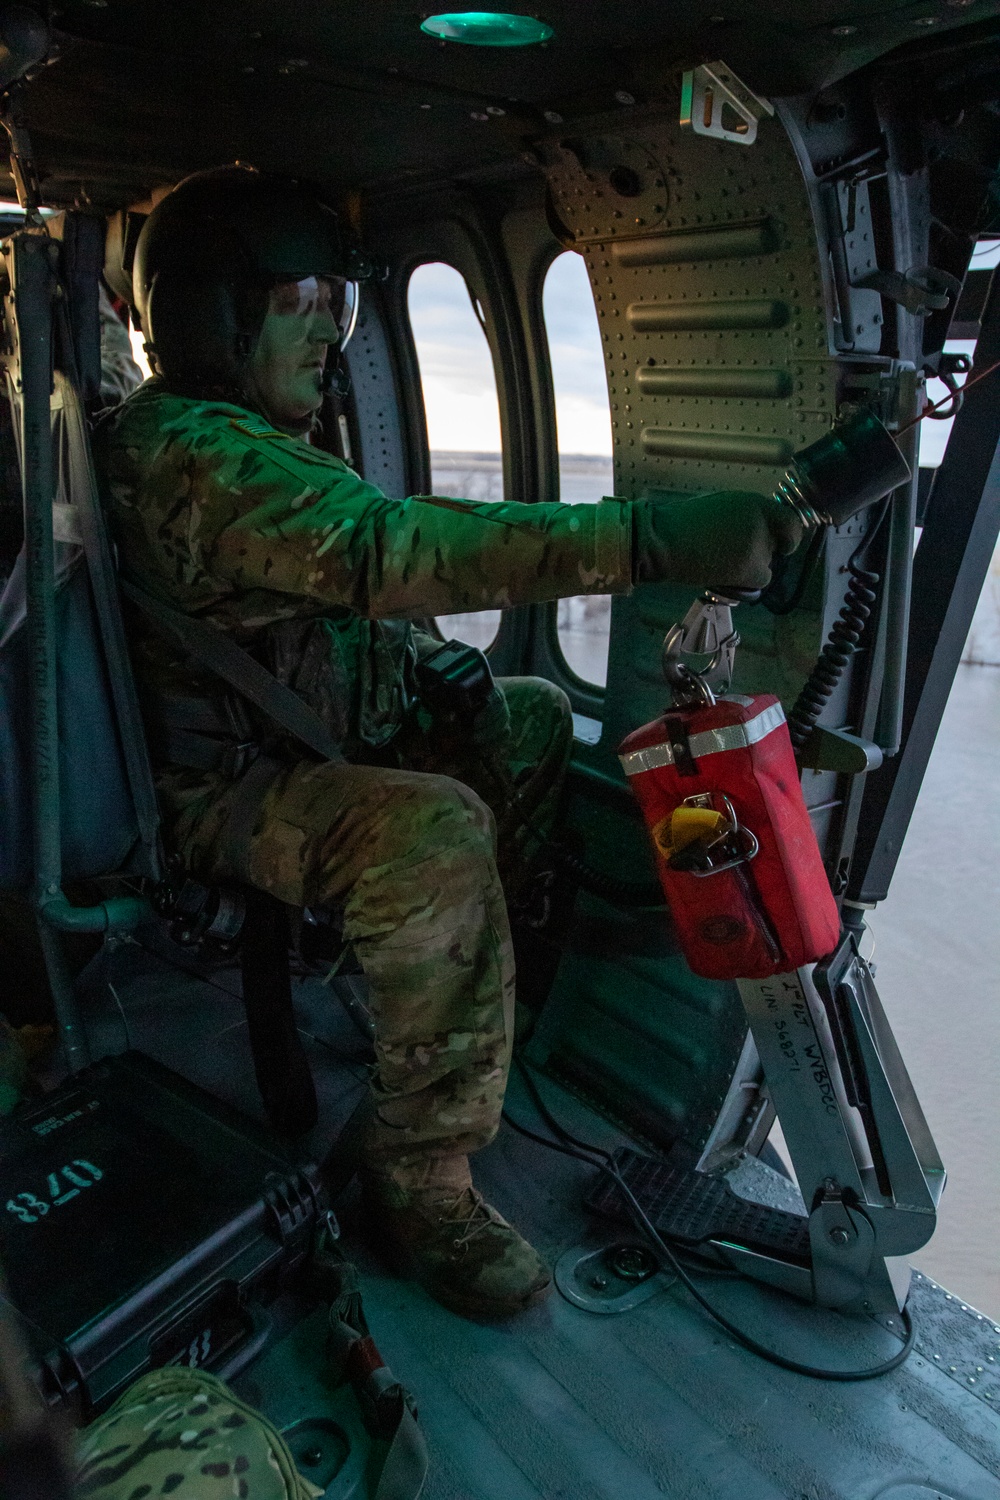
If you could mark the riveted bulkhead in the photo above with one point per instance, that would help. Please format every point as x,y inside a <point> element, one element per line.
<point>716,311</point>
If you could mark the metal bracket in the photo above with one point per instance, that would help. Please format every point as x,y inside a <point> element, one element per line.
<point>838,750</point>
<point>843,1248</point>
<point>745,1116</point>
<point>862,1153</point>
<point>22,160</point>
<point>612,1279</point>
<point>711,90</point>
<point>920,290</point>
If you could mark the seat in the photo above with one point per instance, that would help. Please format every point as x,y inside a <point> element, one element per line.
<point>93,805</point>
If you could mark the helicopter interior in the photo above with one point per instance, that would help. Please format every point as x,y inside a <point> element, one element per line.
<point>773,242</point>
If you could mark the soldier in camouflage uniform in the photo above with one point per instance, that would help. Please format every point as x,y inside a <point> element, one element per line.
<point>182,1432</point>
<point>223,509</point>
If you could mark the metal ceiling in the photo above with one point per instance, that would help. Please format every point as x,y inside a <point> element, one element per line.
<point>356,96</point>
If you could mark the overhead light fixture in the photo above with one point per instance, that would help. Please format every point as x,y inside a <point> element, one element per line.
<point>486,28</point>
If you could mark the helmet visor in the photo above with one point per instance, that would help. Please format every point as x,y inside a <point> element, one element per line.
<point>325,294</point>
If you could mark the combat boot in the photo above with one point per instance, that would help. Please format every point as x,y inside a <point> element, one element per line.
<point>438,1229</point>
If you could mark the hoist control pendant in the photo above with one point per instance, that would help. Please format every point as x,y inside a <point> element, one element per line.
<point>735,850</point>
<point>843,472</point>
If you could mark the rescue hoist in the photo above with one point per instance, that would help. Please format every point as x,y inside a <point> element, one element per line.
<point>718,783</point>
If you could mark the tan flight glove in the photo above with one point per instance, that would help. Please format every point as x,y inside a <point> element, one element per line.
<point>727,537</point>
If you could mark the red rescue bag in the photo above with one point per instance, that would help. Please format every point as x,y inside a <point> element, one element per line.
<point>735,850</point>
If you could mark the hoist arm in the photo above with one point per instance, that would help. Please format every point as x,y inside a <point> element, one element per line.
<point>862,1153</point>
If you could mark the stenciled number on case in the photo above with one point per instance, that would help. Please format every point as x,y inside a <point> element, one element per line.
<point>63,1185</point>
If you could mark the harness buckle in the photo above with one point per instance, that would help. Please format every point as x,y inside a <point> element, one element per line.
<point>236,759</point>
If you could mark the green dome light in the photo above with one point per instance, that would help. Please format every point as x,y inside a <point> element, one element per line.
<point>486,28</point>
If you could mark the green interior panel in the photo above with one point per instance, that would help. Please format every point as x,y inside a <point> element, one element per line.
<point>711,297</point>
<point>627,1025</point>
<point>633,1031</point>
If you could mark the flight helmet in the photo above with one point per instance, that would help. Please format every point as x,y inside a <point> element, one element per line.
<point>206,259</point>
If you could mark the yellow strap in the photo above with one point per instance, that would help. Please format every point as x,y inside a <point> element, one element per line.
<point>684,825</point>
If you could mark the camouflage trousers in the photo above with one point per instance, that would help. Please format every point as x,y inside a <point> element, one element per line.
<point>411,855</point>
<point>182,1431</point>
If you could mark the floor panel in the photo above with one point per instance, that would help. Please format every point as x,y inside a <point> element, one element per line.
<point>563,1403</point>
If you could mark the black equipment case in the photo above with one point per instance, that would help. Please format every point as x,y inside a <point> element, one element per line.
<point>144,1223</point>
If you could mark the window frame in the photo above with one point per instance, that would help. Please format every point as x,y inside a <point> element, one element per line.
<point>504,260</point>
<point>418,413</point>
<point>549,660</point>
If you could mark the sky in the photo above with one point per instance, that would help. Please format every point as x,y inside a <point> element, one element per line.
<point>583,416</point>
<point>457,372</point>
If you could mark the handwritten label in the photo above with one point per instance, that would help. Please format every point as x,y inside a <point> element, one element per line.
<point>788,1011</point>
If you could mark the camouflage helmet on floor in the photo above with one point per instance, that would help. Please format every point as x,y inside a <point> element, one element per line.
<point>206,259</point>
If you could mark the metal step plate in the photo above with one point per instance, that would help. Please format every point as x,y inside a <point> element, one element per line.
<point>687,1206</point>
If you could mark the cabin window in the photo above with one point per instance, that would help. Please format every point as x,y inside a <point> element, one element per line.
<point>461,409</point>
<point>583,422</point>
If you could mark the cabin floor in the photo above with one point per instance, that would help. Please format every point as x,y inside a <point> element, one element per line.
<point>563,1402</point>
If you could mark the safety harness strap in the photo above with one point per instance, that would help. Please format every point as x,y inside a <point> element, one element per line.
<point>397,1465</point>
<point>81,485</point>
<point>217,651</point>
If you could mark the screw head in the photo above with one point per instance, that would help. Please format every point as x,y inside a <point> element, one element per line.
<point>839,1235</point>
<point>632,1262</point>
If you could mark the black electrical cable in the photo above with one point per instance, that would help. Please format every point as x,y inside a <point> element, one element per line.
<point>841,644</point>
<point>771,597</point>
<point>596,1156</point>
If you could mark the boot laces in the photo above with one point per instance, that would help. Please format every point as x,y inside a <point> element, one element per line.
<point>467,1213</point>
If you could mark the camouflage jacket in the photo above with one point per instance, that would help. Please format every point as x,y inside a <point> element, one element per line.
<point>313,569</point>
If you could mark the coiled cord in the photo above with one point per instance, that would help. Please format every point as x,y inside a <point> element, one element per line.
<point>841,644</point>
